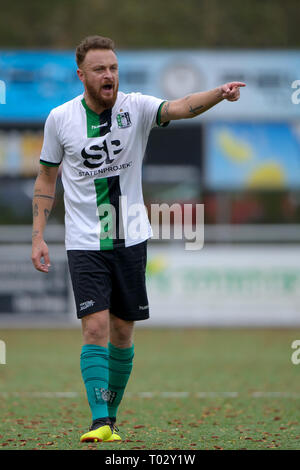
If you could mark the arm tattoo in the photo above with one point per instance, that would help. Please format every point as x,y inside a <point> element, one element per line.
<point>43,196</point>
<point>45,170</point>
<point>196,110</point>
<point>35,210</point>
<point>166,110</point>
<point>35,233</point>
<point>46,212</point>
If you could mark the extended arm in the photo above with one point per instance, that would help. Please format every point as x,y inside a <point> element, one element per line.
<point>43,198</point>
<point>197,103</point>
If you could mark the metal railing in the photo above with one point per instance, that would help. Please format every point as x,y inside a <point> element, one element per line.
<point>212,234</point>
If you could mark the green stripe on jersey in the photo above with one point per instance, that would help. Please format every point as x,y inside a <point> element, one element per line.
<point>106,220</point>
<point>43,162</point>
<point>92,121</point>
<point>158,117</point>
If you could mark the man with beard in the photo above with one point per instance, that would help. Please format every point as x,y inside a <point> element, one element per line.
<point>100,137</point>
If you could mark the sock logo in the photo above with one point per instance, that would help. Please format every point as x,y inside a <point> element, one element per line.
<point>112,396</point>
<point>102,394</point>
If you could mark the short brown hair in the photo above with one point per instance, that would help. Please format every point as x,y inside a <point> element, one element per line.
<point>92,42</point>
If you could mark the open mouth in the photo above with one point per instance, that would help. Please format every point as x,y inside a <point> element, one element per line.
<point>107,87</point>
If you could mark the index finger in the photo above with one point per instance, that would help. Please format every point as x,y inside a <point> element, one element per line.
<point>235,84</point>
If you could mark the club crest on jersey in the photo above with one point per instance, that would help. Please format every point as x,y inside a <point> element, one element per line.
<point>123,120</point>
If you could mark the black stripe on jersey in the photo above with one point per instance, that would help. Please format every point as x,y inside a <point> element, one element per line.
<point>114,191</point>
<point>105,118</point>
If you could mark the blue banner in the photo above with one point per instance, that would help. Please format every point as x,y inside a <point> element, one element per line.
<point>34,82</point>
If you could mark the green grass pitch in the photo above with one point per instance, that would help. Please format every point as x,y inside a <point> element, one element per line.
<point>189,389</point>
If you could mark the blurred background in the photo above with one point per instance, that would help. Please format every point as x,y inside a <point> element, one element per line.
<point>241,160</point>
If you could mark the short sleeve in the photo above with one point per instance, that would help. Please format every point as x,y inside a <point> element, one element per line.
<point>151,111</point>
<point>52,150</point>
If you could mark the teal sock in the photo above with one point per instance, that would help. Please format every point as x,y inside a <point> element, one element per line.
<point>120,366</point>
<point>94,370</point>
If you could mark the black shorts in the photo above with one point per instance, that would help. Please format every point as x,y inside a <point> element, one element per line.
<point>110,279</point>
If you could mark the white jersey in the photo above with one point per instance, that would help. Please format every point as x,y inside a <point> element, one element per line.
<point>101,156</point>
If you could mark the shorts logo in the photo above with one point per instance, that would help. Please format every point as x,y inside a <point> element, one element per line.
<point>87,304</point>
<point>143,307</point>
<point>123,120</point>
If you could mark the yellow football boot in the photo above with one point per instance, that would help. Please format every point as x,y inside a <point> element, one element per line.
<point>100,434</point>
<point>114,437</point>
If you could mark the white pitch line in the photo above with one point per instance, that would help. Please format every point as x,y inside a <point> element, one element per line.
<point>275,395</point>
<point>40,394</point>
<point>217,394</point>
<point>258,394</point>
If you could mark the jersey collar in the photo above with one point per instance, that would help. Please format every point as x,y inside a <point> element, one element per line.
<point>90,111</point>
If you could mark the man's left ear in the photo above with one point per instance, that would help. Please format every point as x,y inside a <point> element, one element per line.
<point>80,74</point>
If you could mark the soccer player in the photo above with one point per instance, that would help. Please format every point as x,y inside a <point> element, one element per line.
<point>100,138</point>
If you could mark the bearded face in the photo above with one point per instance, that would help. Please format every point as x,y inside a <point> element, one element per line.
<point>99,74</point>
<point>105,94</point>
